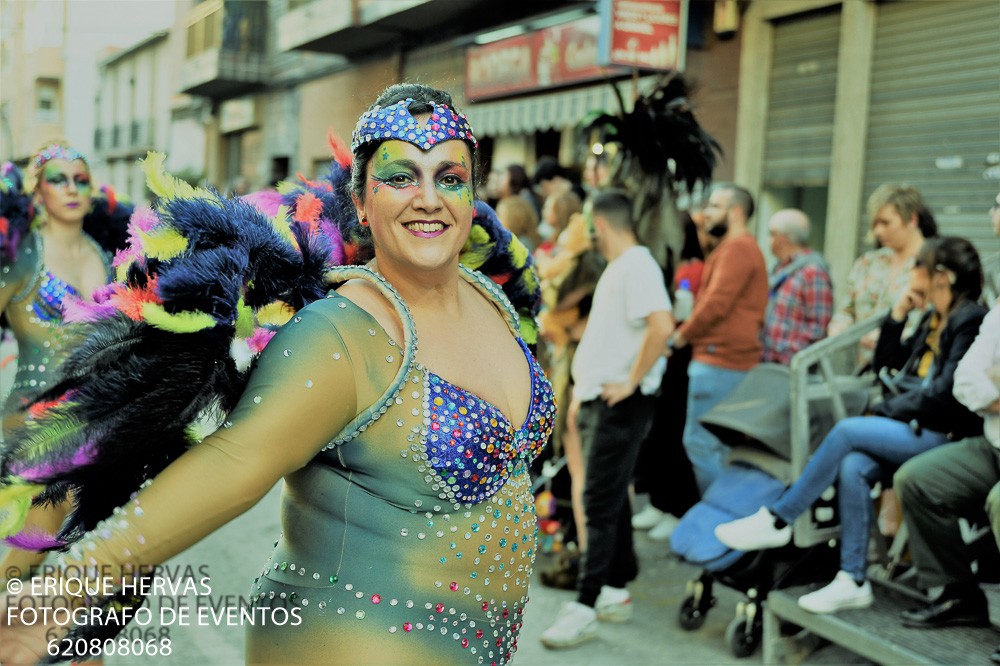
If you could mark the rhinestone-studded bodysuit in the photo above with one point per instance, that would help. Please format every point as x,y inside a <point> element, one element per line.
<point>32,298</point>
<point>415,529</point>
<point>407,512</point>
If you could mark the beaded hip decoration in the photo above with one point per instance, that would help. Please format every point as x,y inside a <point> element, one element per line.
<point>396,122</point>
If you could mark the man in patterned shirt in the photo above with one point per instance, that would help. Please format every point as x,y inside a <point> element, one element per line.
<point>801,293</point>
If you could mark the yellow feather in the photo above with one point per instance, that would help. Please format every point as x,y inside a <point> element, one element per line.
<point>275,314</point>
<point>122,271</point>
<point>518,251</point>
<point>163,184</point>
<point>286,187</point>
<point>477,247</point>
<point>163,243</point>
<point>15,500</point>
<point>179,322</point>
<point>281,225</point>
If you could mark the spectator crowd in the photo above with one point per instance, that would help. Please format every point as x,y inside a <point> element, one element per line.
<point>639,353</point>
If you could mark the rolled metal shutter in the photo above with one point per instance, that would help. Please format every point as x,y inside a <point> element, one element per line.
<point>803,84</point>
<point>934,118</point>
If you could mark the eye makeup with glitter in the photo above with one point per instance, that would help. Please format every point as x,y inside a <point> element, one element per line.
<point>56,178</point>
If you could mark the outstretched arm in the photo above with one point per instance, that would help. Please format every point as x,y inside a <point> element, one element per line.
<point>301,395</point>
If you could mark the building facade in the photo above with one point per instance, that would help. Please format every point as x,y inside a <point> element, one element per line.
<point>836,98</point>
<point>138,109</point>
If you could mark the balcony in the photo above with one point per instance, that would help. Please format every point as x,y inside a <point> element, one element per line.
<point>226,50</point>
<point>125,139</point>
<point>359,28</point>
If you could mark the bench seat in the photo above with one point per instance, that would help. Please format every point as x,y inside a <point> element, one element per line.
<point>876,633</point>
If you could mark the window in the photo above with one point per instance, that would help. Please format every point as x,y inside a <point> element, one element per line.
<point>47,96</point>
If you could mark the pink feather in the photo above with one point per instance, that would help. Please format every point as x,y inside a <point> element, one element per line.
<point>34,540</point>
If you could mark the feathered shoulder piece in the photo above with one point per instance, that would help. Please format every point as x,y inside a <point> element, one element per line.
<point>108,219</point>
<point>202,277</point>
<point>501,256</point>
<point>202,286</point>
<point>16,211</point>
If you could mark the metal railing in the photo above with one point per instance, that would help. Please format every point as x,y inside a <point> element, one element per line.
<point>818,383</point>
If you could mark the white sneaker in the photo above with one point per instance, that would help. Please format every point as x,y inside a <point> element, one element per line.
<point>755,532</point>
<point>842,593</point>
<point>614,604</point>
<point>575,624</point>
<point>663,529</point>
<point>647,518</point>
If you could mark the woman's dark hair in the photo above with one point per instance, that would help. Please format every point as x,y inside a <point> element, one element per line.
<point>518,178</point>
<point>547,169</point>
<point>957,258</point>
<point>424,98</point>
<point>926,222</point>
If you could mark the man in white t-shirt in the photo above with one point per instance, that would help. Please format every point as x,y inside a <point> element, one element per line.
<point>617,368</point>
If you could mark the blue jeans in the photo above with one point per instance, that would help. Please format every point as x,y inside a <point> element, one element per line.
<point>708,386</point>
<point>857,453</point>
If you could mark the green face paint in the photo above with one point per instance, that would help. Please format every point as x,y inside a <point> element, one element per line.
<point>394,169</point>
<point>391,168</point>
<point>58,176</point>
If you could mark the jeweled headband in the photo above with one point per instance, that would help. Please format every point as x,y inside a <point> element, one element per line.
<point>396,122</point>
<point>58,152</point>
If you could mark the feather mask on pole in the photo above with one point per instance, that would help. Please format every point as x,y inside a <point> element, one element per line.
<point>662,152</point>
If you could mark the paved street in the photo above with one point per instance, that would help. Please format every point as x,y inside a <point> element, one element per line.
<point>234,554</point>
<point>232,557</point>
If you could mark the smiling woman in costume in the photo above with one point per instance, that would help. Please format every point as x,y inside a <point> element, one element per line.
<point>402,411</point>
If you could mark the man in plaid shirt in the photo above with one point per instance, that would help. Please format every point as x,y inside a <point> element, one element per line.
<point>801,293</point>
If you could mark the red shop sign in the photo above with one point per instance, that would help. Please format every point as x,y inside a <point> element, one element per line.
<point>556,56</point>
<point>645,34</point>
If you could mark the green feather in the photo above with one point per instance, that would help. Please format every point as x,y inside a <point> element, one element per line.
<point>244,320</point>
<point>529,330</point>
<point>44,438</point>
<point>518,251</point>
<point>15,500</point>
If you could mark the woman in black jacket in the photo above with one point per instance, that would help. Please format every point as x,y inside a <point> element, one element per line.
<point>947,279</point>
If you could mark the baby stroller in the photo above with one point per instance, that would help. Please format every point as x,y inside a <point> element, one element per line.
<point>759,421</point>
